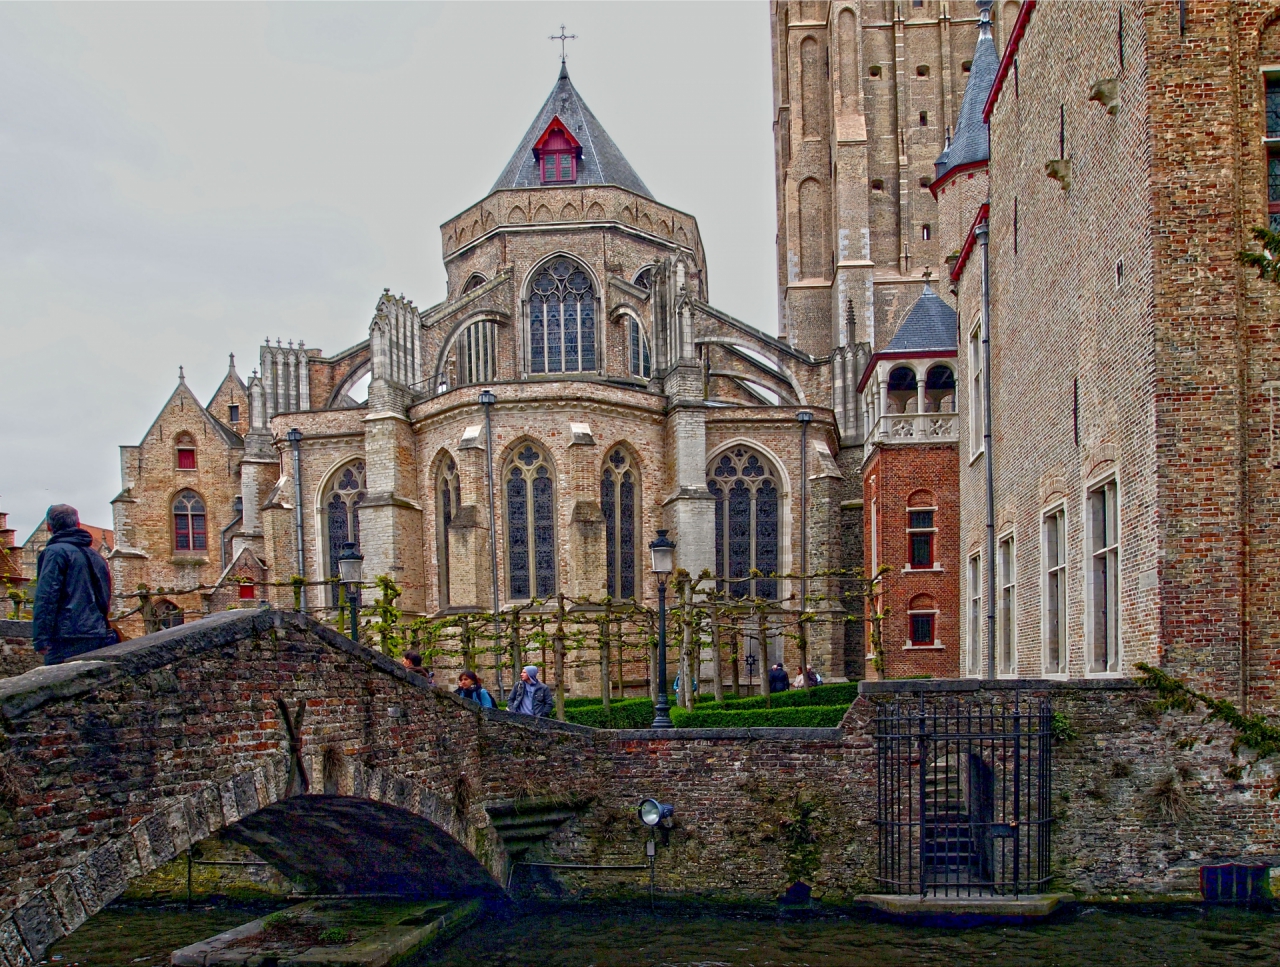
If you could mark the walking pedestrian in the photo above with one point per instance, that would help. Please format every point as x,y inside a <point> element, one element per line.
<point>530,696</point>
<point>470,686</point>
<point>73,592</point>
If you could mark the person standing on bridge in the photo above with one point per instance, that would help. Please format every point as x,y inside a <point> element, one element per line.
<point>530,696</point>
<point>73,592</point>
<point>470,686</point>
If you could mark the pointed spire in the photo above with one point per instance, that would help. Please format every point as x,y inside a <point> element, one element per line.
<point>970,143</point>
<point>231,362</point>
<point>182,377</point>
<point>601,162</point>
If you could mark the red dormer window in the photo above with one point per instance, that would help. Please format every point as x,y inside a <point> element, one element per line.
<point>557,152</point>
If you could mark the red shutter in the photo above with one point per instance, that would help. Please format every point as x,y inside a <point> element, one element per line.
<point>246,592</point>
<point>186,459</point>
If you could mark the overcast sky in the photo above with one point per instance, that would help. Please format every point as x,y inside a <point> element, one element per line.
<point>180,181</point>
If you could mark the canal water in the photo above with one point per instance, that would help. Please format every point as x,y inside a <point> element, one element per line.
<point>127,936</point>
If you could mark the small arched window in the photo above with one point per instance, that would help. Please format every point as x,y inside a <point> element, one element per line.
<point>877,184</point>
<point>448,503</point>
<point>638,349</point>
<point>167,614</point>
<point>474,282</point>
<point>922,70</point>
<point>562,320</point>
<point>644,279</point>
<point>940,389</point>
<point>748,508</point>
<point>875,70</point>
<point>620,501</point>
<point>344,493</point>
<point>190,532</point>
<point>926,232</point>
<point>902,390</point>
<point>185,444</point>
<point>531,525</point>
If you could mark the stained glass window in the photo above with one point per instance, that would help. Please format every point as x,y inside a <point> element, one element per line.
<point>531,525</point>
<point>562,320</point>
<point>620,501</point>
<point>748,511</point>
<point>448,503</point>
<point>344,493</point>
<point>189,530</point>
<point>1273,106</point>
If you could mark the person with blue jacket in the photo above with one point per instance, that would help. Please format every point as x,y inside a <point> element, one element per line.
<point>73,592</point>
<point>470,686</point>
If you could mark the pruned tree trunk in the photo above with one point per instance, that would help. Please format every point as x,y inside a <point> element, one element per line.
<point>717,674</point>
<point>557,646</point>
<point>686,649</point>
<point>605,687</point>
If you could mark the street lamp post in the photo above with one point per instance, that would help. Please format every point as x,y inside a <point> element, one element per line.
<point>662,552</point>
<point>350,568</point>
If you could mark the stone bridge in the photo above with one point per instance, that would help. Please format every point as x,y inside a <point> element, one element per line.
<point>352,775</point>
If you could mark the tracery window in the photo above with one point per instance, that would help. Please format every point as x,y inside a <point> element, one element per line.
<point>747,512</point>
<point>562,320</point>
<point>345,492</point>
<point>531,526</point>
<point>167,614</point>
<point>620,501</point>
<point>190,532</point>
<point>448,503</point>
<point>638,348</point>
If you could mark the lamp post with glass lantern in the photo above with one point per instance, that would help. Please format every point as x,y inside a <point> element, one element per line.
<point>350,568</point>
<point>663,552</point>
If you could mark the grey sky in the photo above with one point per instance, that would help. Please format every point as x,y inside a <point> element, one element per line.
<point>182,180</point>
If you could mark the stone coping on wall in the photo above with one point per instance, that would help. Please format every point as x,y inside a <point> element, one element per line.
<point>15,629</point>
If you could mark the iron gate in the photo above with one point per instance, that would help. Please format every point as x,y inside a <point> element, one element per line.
<point>963,796</point>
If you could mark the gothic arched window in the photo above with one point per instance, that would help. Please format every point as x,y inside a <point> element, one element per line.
<point>345,492</point>
<point>620,501</point>
<point>474,353</point>
<point>190,533</point>
<point>562,320</point>
<point>531,525</point>
<point>748,508</point>
<point>638,348</point>
<point>448,503</point>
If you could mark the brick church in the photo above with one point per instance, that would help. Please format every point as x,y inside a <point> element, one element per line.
<point>1020,370</point>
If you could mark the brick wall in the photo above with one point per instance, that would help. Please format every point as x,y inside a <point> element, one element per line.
<point>16,652</point>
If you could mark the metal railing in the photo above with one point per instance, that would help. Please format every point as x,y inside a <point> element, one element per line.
<point>963,796</point>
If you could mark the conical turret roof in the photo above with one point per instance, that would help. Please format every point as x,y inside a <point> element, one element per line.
<point>972,142</point>
<point>602,162</point>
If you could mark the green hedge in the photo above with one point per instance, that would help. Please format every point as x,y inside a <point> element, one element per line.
<point>841,694</point>
<point>810,716</point>
<point>631,713</point>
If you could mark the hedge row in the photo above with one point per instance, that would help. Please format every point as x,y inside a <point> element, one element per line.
<point>840,694</point>
<point>631,713</point>
<point>806,716</point>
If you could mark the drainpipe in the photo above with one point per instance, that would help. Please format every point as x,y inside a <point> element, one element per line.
<point>981,232</point>
<point>294,437</point>
<point>487,399</point>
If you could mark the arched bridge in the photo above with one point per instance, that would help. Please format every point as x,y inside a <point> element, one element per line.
<point>330,761</point>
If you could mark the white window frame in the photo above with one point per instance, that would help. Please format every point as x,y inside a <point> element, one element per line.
<point>977,422</point>
<point>1047,571</point>
<point>1110,554</point>
<point>973,615</point>
<point>1006,606</point>
<point>937,642</point>
<point>933,547</point>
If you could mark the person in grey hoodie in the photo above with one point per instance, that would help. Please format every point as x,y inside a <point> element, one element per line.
<point>530,696</point>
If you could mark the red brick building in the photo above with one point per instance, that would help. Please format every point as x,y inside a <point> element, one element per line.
<point>911,494</point>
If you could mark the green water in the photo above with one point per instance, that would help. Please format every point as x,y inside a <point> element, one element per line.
<point>124,936</point>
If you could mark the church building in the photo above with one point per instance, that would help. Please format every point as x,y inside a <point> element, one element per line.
<point>621,402</point>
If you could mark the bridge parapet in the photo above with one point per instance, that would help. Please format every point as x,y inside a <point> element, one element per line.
<point>329,760</point>
<point>17,654</point>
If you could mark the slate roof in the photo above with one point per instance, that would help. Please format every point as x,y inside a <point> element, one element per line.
<point>602,162</point>
<point>930,326</point>
<point>971,141</point>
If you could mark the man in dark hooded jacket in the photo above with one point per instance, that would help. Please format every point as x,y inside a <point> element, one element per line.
<point>73,591</point>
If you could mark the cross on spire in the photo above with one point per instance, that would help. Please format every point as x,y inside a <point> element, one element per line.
<point>562,37</point>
